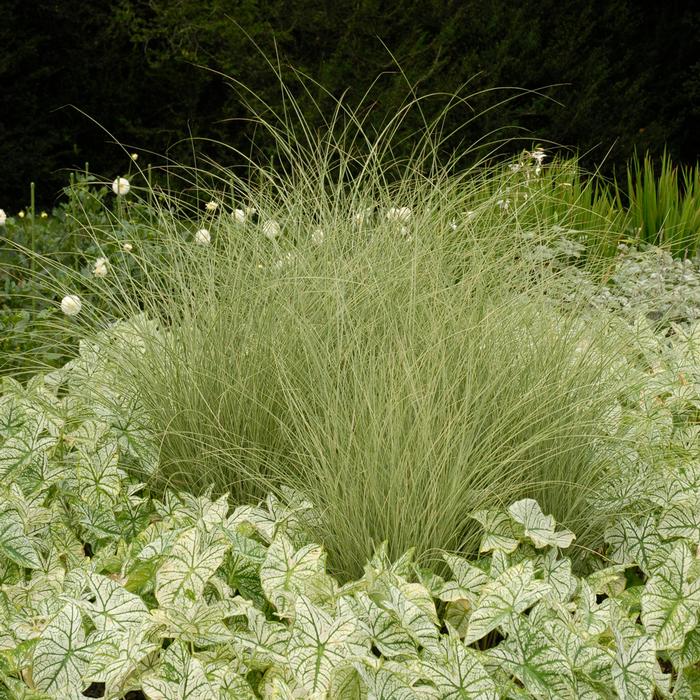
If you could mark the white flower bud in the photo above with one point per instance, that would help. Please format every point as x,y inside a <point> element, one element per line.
<point>211,206</point>
<point>100,269</point>
<point>71,305</point>
<point>271,229</point>
<point>402,214</point>
<point>3,217</point>
<point>121,186</point>
<point>239,216</point>
<point>127,247</point>
<point>202,237</point>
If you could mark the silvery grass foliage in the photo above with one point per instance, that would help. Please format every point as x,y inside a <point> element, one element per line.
<point>185,596</point>
<point>401,373</point>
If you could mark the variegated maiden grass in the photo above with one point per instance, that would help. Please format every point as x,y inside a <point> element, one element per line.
<point>399,379</point>
<point>401,373</point>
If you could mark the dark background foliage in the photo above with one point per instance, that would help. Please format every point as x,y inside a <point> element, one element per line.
<point>628,75</point>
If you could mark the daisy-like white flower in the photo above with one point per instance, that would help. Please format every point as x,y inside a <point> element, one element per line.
<point>239,216</point>
<point>100,269</point>
<point>202,237</point>
<point>271,229</point>
<point>71,305</point>
<point>127,247</point>
<point>3,217</point>
<point>211,206</point>
<point>317,236</point>
<point>402,214</point>
<point>121,186</point>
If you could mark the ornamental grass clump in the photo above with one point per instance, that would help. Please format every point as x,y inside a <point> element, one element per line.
<point>409,366</point>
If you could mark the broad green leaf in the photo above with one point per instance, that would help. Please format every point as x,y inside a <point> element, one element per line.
<point>62,655</point>
<point>193,560</point>
<point>515,590</point>
<point>538,526</point>
<point>498,531</point>
<point>670,602</point>
<point>633,668</point>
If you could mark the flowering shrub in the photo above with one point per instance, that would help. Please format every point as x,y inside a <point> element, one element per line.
<point>105,588</point>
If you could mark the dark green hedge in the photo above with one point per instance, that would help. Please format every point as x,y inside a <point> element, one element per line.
<point>630,74</point>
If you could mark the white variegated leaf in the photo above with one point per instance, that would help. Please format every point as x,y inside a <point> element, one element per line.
<point>319,646</point>
<point>194,559</point>
<point>469,580</point>
<point>62,655</point>
<point>670,601</point>
<point>634,667</point>
<point>457,672</point>
<point>538,526</point>
<point>498,531</point>
<point>515,590</point>
<point>112,607</point>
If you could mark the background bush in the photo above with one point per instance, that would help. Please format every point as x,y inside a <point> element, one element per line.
<point>130,65</point>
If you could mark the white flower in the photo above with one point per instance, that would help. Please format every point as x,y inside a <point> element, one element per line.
<point>317,236</point>
<point>363,216</point>
<point>100,269</point>
<point>515,167</point>
<point>239,216</point>
<point>21,214</point>
<point>3,217</point>
<point>121,186</point>
<point>71,305</point>
<point>211,206</point>
<point>503,204</point>
<point>134,156</point>
<point>401,214</point>
<point>538,170</point>
<point>44,215</point>
<point>202,237</point>
<point>127,247</point>
<point>538,155</point>
<point>271,229</point>
<point>249,211</point>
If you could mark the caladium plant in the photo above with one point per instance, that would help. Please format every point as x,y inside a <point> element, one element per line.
<point>105,587</point>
